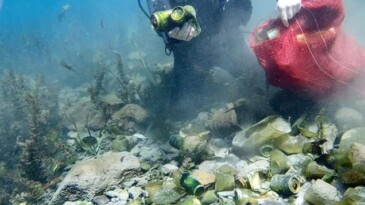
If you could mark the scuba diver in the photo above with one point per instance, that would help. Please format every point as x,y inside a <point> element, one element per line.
<point>207,42</point>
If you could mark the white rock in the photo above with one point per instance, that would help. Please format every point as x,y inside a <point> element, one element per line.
<point>347,118</point>
<point>123,194</point>
<point>72,134</point>
<point>71,142</point>
<point>169,169</point>
<point>322,193</point>
<point>260,166</point>
<point>91,176</point>
<point>112,194</point>
<point>136,192</point>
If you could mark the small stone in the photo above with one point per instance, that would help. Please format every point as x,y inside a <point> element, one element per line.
<point>116,201</point>
<point>72,134</point>
<point>209,197</point>
<point>112,194</point>
<point>145,166</point>
<point>151,153</point>
<point>123,195</point>
<point>72,203</point>
<point>70,142</point>
<point>168,169</point>
<point>136,192</point>
<point>136,181</point>
<point>101,200</point>
<point>347,118</point>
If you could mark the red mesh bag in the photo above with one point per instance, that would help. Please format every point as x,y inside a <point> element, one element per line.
<point>313,56</point>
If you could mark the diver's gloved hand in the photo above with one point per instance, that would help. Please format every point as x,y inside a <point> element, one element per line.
<point>185,33</point>
<point>287,9</point>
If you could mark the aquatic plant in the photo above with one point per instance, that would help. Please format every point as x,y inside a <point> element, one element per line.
<point>96,90</point>
<point>31,142</point>
<point>40,158</point>
<point>13,126</point>
<point>90,144</point>
<point>123,92</point>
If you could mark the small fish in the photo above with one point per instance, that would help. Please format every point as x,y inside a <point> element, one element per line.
<point>139,136</point>
<point>67,66</point>
<point>61,14</point>
<point>224,5</point>
<point>101,24</point>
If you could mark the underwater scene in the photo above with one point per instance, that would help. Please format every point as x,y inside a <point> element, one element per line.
<point>191,102</point>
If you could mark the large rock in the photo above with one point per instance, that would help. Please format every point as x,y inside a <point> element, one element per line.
<point>347,118</point>
<point>91,176</point>
<point>322,193</point>
<point>130,118</point>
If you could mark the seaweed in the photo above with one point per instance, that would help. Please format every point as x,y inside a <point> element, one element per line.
<point>122,79</point>
<point>31,142</point>
<point>96,90</point>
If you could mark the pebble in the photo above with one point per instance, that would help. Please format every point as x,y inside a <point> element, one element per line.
<point>101,200</point>
<point>136,192</point>
<point>168,169</point>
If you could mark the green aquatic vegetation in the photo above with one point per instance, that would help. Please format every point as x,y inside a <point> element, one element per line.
<point>97,88</point>
<point>90,144</point>
<point>123,92</point>
<point>31,144</point>
<point>40,158</point>
<point>301,126</point>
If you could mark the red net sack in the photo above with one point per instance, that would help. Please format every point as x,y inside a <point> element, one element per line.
<point>313,56</point>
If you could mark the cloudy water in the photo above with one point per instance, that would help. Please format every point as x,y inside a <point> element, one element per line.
<point>226,106</point>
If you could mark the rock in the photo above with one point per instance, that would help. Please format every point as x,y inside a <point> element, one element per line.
<point>171,152</point>
<point>112,102</point>
<point>347,118</point>
<point>322,193</point>
<point>72,203</point>
<point>84,114</point>
<point>130,118</point>
<point>100,200</point>
<point>209,197</point>
<point>136,181</point>
<point>150,152</point>
<point>352,171</point>
<point>91,176</point>
<point>136,192</point>
<point>169,169</point>
<point>121,194</point>
<point>116,202</point>
<point>70,142</point>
